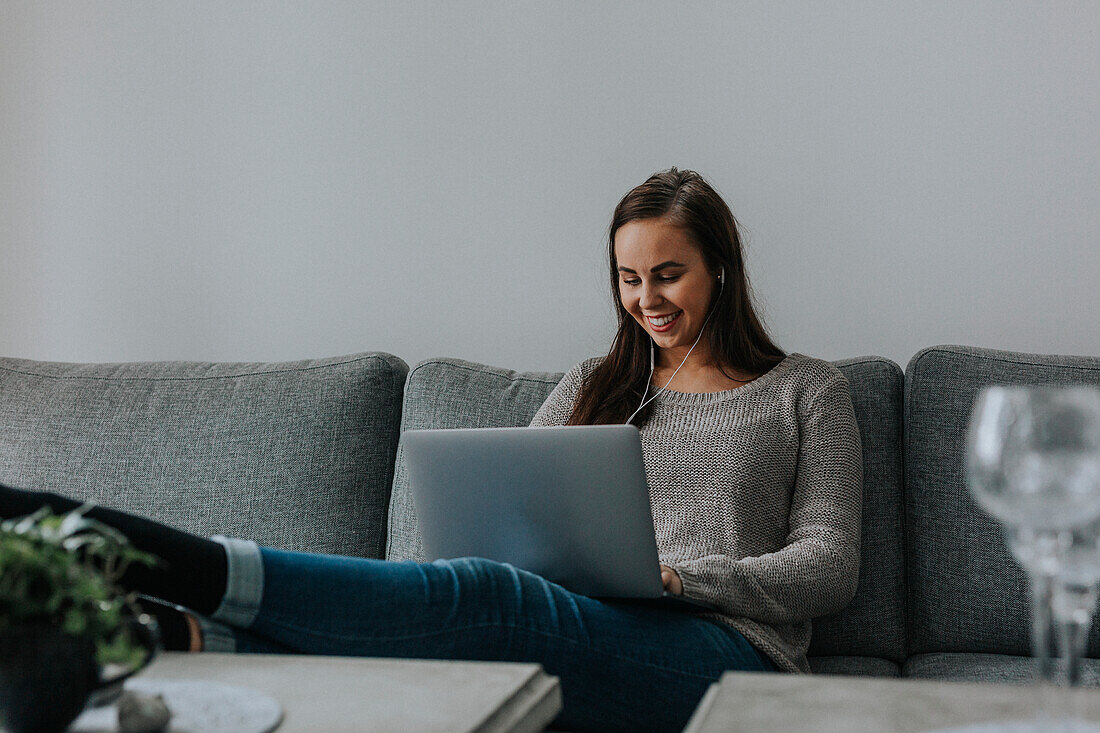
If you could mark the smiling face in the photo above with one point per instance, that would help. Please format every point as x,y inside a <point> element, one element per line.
<point>664,284</point>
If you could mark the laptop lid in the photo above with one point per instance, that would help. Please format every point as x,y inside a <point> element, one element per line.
<point>568,503</point>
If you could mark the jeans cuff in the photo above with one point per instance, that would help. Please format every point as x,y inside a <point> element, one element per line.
<point>244,583</point>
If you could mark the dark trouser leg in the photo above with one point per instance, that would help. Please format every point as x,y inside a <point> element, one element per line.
<point>192,571</point>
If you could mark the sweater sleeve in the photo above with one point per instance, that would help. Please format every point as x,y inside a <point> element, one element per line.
<point>816,571</point>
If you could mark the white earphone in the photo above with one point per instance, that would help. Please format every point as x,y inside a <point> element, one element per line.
<point>652,360</point>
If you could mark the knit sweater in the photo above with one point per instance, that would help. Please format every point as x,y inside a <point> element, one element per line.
<point>756,495</point>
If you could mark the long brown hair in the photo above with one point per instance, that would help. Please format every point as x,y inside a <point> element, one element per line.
<point>735,334</point>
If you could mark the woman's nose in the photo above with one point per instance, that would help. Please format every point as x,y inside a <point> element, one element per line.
<point>649,297</point>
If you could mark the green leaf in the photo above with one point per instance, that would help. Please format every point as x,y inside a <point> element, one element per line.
<point>75,622</point>
<point>63,570</point>
<point>27,524</point>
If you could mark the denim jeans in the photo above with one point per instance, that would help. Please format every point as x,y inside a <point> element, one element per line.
<point>622,665</point>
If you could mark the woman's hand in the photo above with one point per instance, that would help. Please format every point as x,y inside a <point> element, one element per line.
<point>671,580</point>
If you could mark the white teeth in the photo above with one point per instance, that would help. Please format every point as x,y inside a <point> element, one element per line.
<point>665,320</point>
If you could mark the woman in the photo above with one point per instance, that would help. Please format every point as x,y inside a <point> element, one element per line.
<point>754,466</point>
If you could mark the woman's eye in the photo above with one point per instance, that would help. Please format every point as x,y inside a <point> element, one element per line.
<point>661,278</point>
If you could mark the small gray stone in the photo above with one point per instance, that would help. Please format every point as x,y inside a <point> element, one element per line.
<point>138,713</point>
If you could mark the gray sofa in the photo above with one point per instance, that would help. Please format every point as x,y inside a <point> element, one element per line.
<point>305,456</point>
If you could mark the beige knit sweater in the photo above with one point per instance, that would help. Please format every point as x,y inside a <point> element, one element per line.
<point>756,495</point>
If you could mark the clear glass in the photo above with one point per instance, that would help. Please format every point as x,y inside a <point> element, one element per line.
<point>1033,455</point>
<point>1033,463</point>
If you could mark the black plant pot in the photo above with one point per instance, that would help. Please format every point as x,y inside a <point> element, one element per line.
<point>45,678</point>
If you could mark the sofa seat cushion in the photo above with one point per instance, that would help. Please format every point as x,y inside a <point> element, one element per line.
<point>296,455</point>
<point>865,666</point>
<point>966,593</point>
<point>957,667</point>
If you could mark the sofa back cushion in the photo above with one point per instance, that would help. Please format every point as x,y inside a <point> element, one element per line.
<point>873,624</point>
<point>966,594</point>
<point>296,455</point>
<point>450,393</point>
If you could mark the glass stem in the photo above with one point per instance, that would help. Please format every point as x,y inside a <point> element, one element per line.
<point>1041,586</point>
<point>1073,608</point>
<point>1078,635</point>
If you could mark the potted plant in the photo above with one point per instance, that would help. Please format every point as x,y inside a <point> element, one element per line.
<point>66,628</point>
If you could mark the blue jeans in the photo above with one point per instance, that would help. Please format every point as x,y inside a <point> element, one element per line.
<point>622,666</point>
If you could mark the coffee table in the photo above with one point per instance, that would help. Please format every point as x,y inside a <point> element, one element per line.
<point>743,701</point>
<point>372,694</point>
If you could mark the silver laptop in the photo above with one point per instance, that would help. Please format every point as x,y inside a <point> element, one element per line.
<point>568,503</point>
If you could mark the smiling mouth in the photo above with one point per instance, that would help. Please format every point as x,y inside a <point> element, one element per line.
<point>662,323</point>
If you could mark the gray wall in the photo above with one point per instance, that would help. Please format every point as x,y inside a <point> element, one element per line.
<point>245,181</point>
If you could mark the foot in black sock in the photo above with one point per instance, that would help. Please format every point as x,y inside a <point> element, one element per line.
<point>176,630</point>
<point>192,571</point>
